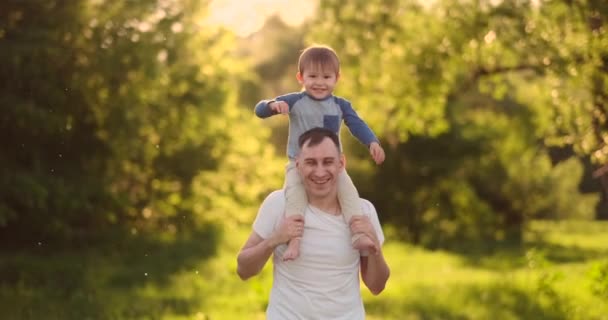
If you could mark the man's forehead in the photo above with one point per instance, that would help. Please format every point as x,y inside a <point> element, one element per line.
<point>325,149</point>
<point>318,156</point>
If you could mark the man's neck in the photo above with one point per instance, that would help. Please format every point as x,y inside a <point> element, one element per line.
<point>327,204</point>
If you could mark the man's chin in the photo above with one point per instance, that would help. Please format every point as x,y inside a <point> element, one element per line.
<point>320,192</point>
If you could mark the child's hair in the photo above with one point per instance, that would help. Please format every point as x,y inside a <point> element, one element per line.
<point>319,56</point>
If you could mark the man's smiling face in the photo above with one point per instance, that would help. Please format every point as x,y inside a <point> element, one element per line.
<point>319,167</point>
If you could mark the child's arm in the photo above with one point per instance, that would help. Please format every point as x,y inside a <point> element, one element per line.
<point>375,149</point>
<point>280,105</point>
<point>264,110</point>
<point>361,130</point>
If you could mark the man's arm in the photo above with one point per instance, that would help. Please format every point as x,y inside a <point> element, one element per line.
<point>374,272</point>
<point>257,250</point>
<point>254,255</point>
<point>374,269</point>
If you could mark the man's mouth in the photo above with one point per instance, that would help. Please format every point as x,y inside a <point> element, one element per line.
<point>320,181</point>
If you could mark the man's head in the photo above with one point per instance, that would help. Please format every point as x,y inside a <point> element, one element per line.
<point>319,163</point>
<point>318,71</point>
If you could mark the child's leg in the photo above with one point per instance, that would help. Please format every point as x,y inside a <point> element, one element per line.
<point>295,203</point>
<point>351,206</point>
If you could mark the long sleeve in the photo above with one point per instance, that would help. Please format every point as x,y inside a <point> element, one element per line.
<point>355,124</point>
<point>262,109</point>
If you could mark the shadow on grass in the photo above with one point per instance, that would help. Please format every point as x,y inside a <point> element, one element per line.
<point>102,280</point>
<point>504,258</point>
<point>469,302</point>
<point>558,253</point>
<point>511,254</point>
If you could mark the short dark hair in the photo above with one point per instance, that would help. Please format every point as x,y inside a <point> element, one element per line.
<point>316,135</point>
<point>319,56</point>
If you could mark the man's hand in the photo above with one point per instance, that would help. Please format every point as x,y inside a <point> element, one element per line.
<point>291,227</point>
<point>257,250</point>
<point>374,269</point>
<point>280,107</point>
<point>362,225</point>
<point>377,152</point>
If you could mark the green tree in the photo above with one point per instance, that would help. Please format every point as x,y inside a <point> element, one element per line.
<point>424,56</point>
<point>474,92</point>
<point>274,69</point>
<point>122,113</point>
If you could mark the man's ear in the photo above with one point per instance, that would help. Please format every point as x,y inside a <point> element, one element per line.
<point>342,161</point>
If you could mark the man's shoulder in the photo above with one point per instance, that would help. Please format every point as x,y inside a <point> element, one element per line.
<point>270,211</point>
<point>276,197</point>
<point>367,206</point>
<point>366,202</point>
<point>276,194</point>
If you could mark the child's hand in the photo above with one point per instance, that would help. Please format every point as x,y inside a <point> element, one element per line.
<point>279,107</point>
<point>377,152</point>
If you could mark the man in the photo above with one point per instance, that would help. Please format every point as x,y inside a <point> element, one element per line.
<point>323,283</point>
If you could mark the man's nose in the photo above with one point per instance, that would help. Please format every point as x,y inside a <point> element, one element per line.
<point>318,171</point>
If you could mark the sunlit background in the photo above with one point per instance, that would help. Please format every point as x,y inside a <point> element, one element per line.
<point>246,17</point>
<point>132,164</point>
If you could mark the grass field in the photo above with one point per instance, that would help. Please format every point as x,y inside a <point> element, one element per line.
<point>560,273</point>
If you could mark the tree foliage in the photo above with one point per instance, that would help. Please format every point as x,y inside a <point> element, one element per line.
<point>272,53</point>
<point>469,95</point>
<point>552,53</point>
<point>121,113</point>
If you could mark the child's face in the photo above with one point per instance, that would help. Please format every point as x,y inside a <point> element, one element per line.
<point>317,81</point>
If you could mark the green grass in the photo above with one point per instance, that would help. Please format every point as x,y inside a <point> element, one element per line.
<point>193,277</point>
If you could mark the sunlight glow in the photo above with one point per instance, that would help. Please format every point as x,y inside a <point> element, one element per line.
<point>246,17</point>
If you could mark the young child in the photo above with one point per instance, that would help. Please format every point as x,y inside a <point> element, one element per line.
<point>316,106</point>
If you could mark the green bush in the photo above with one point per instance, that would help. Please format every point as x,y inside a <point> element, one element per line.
<point>599,279</point>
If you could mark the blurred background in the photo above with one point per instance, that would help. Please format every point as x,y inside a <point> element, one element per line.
<point>132,164</point>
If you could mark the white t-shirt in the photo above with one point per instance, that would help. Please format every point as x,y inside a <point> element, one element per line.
<point>323,282</point>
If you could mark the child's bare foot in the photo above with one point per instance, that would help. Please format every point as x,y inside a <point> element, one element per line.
<point>293,250</point>
<point>364,243</point>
